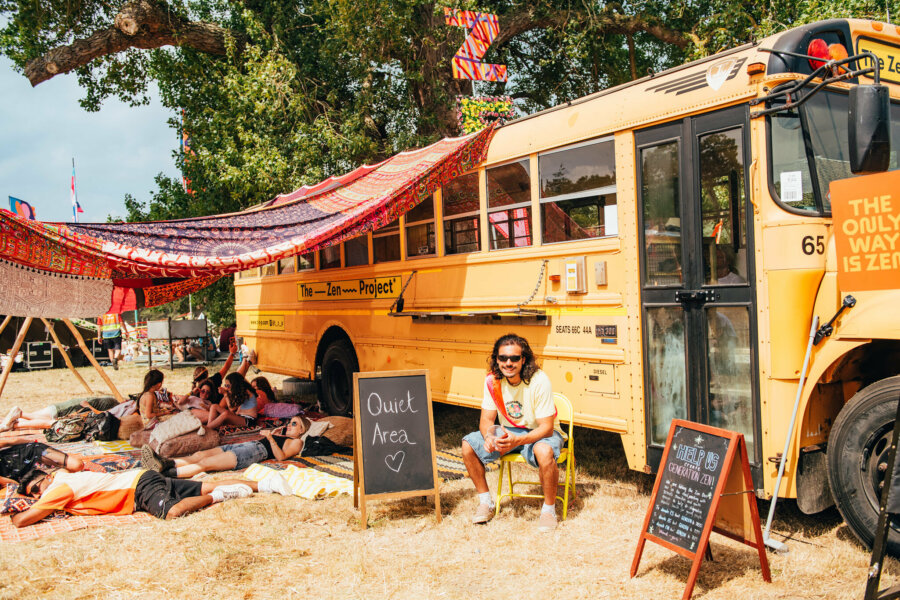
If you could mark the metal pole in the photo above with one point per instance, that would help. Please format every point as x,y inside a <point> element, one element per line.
<point>773,544</point>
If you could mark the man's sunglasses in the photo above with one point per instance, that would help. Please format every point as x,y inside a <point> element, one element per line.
<point>34,486</point>
<point>511,358</point>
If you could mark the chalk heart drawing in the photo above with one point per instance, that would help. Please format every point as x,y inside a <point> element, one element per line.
<point>395,461</point>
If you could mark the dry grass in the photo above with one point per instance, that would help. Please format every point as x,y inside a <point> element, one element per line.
<point>273,547</point>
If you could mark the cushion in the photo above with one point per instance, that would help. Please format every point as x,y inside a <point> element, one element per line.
<point>129,425</point>
<point>179,424</point>
<point>12,502</point>
<point>341,430</point>
<point>280,410</point>
<point>177,446</point>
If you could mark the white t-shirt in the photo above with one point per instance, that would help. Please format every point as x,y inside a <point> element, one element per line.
<point>525,403</point>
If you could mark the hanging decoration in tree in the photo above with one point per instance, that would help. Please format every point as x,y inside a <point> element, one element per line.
<point>482,29</point>
<point>480,111</point>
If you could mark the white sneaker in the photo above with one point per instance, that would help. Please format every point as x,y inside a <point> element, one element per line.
<point>230,492</point>
<point>14,413</point>
<point>275,484</point>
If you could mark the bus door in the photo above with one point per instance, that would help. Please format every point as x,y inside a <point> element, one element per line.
<point>697,290</point>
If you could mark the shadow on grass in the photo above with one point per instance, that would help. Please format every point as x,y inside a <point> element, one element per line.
<point>727,564</point>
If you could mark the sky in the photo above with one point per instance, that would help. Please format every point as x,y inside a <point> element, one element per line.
<point>117,150</point>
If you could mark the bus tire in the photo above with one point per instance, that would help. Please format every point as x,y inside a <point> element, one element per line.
<point>338,366</point>
<point>859,442</point>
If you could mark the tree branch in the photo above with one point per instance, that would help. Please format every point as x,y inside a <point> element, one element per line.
<point>610,22</point>
<point>143,24</point>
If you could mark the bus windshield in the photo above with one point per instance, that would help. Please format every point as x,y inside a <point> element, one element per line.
<point>808,149</point>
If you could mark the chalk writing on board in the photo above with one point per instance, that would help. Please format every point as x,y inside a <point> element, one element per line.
<point>688,480</point>
<point>376,406</point>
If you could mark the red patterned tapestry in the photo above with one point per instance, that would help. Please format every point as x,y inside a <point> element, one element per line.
<point>113,267</point>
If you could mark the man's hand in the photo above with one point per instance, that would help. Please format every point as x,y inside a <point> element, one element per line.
<point>508,442</point>
<point>232,347</point>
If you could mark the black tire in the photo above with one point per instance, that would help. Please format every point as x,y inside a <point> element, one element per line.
<point>338,366</point>
<point>858,444</point>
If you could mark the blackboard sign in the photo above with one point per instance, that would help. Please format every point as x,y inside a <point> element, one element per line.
<point>393,449</point>
<point>703,485</point>
<point>687,481</point>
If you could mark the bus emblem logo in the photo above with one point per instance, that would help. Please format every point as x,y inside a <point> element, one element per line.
<point>718,73</point>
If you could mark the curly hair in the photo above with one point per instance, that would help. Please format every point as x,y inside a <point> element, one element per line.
<point>240,390</point>
<point>529,366</point>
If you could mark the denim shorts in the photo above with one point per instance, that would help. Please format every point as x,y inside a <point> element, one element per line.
<point>476,440</point>
<point>246,453</point>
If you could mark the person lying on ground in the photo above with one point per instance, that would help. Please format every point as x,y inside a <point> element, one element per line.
<point>238,405</point>
<point>520,393</point>
<point>124,492</point>
<point>232,457</point>
<point>43,418</point>
<point>18,458</point>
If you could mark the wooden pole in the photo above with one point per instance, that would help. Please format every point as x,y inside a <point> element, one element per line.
<point>90,356</point>
<point>65,356</point>
<point>15,350</point>
<point>5,323</point>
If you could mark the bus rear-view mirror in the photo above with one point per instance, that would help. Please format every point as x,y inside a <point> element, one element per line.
<point>869,128</point>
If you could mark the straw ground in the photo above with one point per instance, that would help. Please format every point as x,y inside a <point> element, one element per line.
<point>272,547</point>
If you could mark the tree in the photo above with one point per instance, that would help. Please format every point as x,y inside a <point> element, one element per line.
<point>279,93</point>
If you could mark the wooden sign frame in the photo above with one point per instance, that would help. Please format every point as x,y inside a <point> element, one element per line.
<point>735,457</point>
<point>359,486</point>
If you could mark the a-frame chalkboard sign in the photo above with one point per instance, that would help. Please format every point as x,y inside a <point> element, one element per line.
<point>703,485</point>
<point>393,446</point>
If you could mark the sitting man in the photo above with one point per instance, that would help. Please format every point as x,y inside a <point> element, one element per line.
<point>18,458</point>
<point>124,492</point>
<point>521,394</point>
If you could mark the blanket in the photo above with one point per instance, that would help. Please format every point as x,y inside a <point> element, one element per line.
<point>306,483</point>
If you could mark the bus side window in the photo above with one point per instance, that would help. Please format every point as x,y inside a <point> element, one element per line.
<point>286,265</point>
<point>509,205</point>
<point>356,251</point>
<point>306,262</point>
<point>420,240</point>
<point>578,192</point>
<point>270,269</point>
<point>330,257</point>
<point>386,242</point>
<point>461,214</point>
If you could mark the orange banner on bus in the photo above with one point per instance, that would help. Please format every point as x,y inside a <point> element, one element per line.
<point>866,213</point>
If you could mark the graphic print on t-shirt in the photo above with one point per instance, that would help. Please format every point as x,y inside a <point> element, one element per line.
<point>514,409</point>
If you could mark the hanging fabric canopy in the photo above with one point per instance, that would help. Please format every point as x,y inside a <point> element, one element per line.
<point>88,269</point>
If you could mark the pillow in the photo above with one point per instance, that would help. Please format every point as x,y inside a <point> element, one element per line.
<point>341,430</point>
<point>280,410</point>
<point>181,423</point>
<point>177,446</point>
<point>130,424</point>
<point>12,502</point>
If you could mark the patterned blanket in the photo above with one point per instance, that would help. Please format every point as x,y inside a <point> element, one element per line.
<point>77,269</point>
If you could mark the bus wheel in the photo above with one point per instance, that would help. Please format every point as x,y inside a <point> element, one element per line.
<point>857,459</point>
<point>338,365</point>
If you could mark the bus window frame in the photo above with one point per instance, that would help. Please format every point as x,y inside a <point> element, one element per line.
<point>389,230</point>
<point>433,221</point>
<point>607,190</point>
<point>510,207</point>
<point>479,175</point>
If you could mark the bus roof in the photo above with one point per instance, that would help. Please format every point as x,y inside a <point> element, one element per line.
<point>717,80</point>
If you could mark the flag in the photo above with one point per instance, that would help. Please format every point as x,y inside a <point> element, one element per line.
<point>76,208</point>
<point>22,208</point>
<point>717,230</point>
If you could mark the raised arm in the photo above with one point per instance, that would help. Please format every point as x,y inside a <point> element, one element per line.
<point>232,350</point>
<point>291,448</point>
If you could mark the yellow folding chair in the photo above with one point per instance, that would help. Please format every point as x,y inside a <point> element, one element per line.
<point>564,414</point>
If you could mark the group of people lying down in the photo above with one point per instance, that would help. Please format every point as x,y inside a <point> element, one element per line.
<point>60,483</point>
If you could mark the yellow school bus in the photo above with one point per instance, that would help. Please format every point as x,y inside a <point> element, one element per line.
<point>663,245</point>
